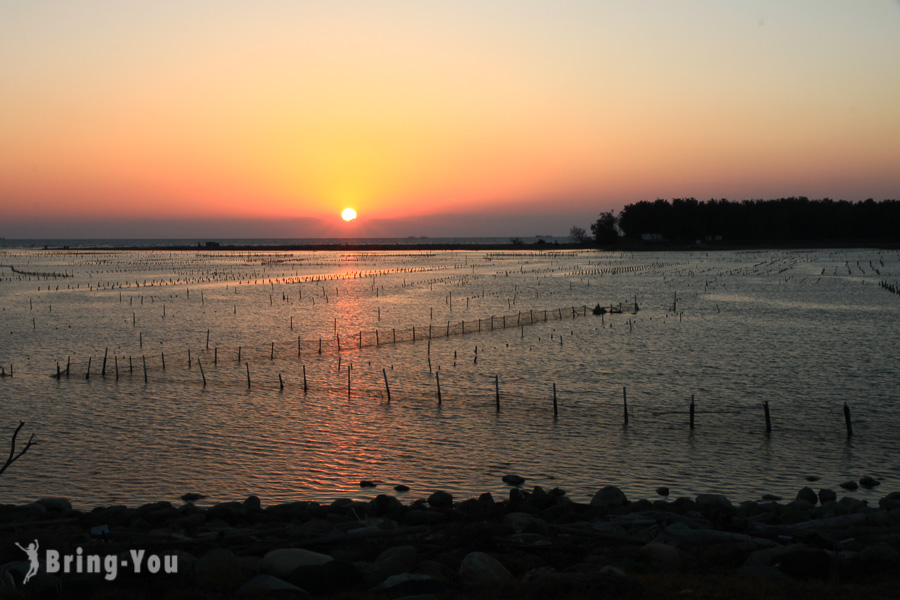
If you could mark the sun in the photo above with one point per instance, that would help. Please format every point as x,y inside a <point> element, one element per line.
<point>348,214</point>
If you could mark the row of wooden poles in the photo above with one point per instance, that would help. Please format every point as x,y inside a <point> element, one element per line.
<point>522,319</point>
<point>437,377</point>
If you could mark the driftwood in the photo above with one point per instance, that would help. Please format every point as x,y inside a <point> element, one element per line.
<point>13,457</point>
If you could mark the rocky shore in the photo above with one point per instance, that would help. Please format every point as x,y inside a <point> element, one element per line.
<point>533,544</point>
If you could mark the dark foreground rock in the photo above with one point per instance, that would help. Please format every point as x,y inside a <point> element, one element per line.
<point>532,545</point>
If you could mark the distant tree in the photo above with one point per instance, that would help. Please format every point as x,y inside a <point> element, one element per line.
<point>516,241</point>
<point>579,235</point>
<point>604,229</point>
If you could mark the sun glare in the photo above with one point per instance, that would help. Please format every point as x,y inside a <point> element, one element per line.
<point>348,214</point>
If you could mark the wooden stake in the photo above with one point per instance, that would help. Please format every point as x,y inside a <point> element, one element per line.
<point>144,358</point>
<point>692,411</point>
<point>497,389</point>
<point>555,410</point>
<point>87,375</point>
<point>103,370</point>
<point>280,382</point>
<point>624,402</point>
<point>848,421</point>
<point>437,377</point>
<point>768,420</point>
<point>248,374</point>
<point>349,368</point>
<point>305,388</point>
<point>202,374</point>
<point>386,386</point>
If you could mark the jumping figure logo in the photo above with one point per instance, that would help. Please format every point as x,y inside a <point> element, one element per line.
<point>32,552</point>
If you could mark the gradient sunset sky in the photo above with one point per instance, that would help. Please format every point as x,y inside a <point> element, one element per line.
<point>465,117</point>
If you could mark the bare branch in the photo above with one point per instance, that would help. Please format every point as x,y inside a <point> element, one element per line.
<point>13,457</point>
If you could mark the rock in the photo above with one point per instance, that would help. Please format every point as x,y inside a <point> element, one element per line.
<point>609,497</point>
<point>826,495</point>
<point>812,478</point>
<point>227,511</point>
<point>850,485</point>
<point>252,504</point>
<point>436,570</point>
<point>399,559</point>
<point>401,488</point>
<point>769,556</point>
<point>367,484</point>
<point>513,480</point>
<point>715,505</point>
<point>384,504</point>
<point>662,556</point>
<point>662,491</point>
<point>266,584</point>
<point>890,502</point>
<point>423,517</point>
<point>410,583</point>
<point>478,568</point>
<point>283,561</point>
<point>191,497</point>
<point>880,558</point>
<point>219,568</point>
<point>55,504</point>
<point>770,498</point>
<point>852,505</point>
<point>327,578</point>
<point>516,497</point>
<point>805,563</point>
<point>440,499</point>
<point>868,482</point>
<point>525,522</point>
<point>807,495</point>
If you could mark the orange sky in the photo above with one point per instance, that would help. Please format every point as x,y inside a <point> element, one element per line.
<point>285,113</point>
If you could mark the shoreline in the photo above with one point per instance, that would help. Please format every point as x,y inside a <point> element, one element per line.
<point>361,246</point>
<point>533,543</point>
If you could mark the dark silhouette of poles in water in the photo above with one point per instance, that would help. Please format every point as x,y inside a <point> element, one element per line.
<point>555,411</point>
<point>386,386</point>
<point>201,372</point>
<point>625,404</point>
<point>497,389</point>
<point>692,411</point>
<point>848,421</point>
<point>768,420</point>
<point>437,378</point>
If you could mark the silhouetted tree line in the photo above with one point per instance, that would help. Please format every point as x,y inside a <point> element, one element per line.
<point>782,219</point>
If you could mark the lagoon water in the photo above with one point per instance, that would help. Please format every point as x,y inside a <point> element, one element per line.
<point>805,331</point>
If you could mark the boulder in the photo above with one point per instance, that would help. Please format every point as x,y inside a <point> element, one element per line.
<point>266,584</point>
<point>479,568</point>
<point>890,502</point>
<point>399,559</point>
<point>252,504</point>
<point>807,495</point>
<point>850,485</point>
<point>440,499</point>
<point>513,480</point>
<point>219,568</point>
<point>661,556</point>
<point>327,578</point>
<point>868,482</point>
<point>826,495</point>
<point>283,561</point>
<point>609,497</point>
<point>714,503</point>
<point>56,504</point>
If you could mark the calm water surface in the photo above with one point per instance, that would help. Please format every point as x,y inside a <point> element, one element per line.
<point>805,331</point>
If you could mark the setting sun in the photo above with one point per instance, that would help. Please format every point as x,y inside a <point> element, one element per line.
<point>348,214</point>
